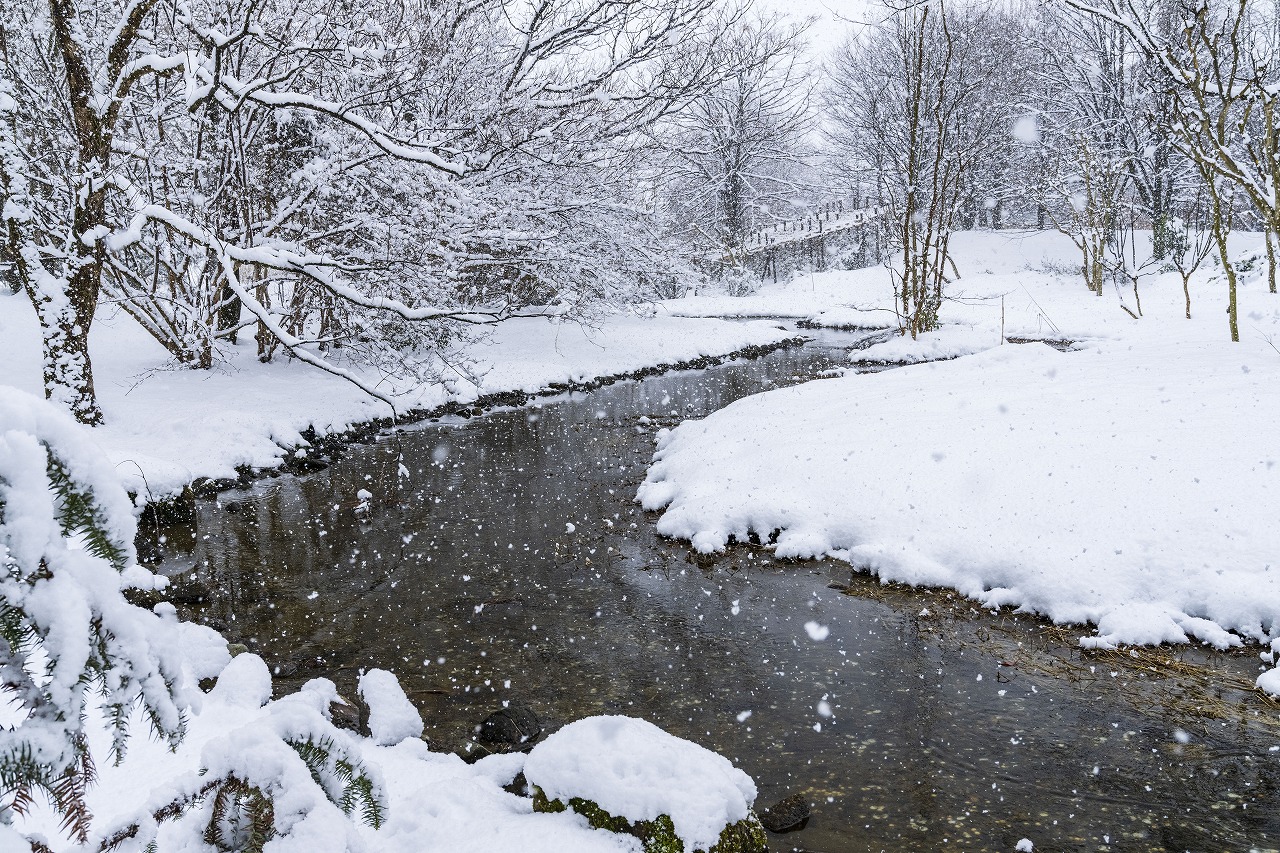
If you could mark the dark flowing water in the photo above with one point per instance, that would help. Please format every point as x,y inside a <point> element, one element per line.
<point>502,558</point>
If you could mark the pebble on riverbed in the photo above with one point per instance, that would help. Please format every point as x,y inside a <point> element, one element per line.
<point>515,728</point>
<point>789,814</point>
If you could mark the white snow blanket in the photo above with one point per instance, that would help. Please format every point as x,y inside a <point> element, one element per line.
<point>1130,484</point>
<point>1132,487</point>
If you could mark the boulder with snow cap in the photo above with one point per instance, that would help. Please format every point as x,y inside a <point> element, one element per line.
<point>628,776</point>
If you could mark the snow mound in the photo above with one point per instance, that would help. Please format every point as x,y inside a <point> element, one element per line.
<point>1270,681</point>
<point>1130,486</point>
<point>633,769</point>
<point>245,683</point>
<point>392,717</point>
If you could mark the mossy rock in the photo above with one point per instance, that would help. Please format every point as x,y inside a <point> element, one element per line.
<point>659,835</point>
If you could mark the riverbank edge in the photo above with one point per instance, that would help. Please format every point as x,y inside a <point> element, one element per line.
<point>1165,664</point>
<point>1068,635</point>
<point>180,508</point>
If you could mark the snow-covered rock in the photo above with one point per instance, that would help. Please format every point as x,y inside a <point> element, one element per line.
<point>626,774</point>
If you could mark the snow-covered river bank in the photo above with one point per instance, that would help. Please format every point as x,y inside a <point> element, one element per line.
<point>507,561</point>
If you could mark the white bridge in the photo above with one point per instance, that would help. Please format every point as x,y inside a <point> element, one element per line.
<point>805,241</point>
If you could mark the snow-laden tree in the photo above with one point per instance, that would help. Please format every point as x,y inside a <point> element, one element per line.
<point>736,157</point>
<point>913,109</point>
<point>326,169</point>
<point>1218,63</point>
<point>67,634</point>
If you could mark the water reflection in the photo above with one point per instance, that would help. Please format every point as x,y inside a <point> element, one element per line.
<point>503,558</point>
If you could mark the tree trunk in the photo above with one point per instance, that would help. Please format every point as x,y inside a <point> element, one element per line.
<point>1271,260</point>
<point>1221,226</point>
<point>228,313</point>
<point>1161,230</point>
<point>1230,272</point>
<point>66,316</point>
<point>64,328</point>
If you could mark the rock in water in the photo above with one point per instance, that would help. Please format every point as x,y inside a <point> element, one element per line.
<point>518,786</point>
<point>787,815</point>
<point>511,729</point>
<point>630,777</point>
<point>353,716</point>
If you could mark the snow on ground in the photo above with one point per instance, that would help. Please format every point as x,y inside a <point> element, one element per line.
<point>436,803</point>
<point>1130,484</point>
<point>1022,284</point>
<point>167,427</point>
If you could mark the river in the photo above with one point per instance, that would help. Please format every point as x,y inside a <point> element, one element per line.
<point>502,558</point>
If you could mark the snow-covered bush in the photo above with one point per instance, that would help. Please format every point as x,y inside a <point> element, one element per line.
<point>285,772</point>
<point>75,652</point>
<point>66,630</point>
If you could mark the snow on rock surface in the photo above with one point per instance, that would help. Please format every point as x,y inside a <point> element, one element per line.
<point>244,683</point>
<point>392,717</point>
<point>631,768</point>
<point>1128,486</point>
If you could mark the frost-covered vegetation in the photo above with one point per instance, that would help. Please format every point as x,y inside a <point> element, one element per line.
<point>355,184</point>
<point>362,186</point>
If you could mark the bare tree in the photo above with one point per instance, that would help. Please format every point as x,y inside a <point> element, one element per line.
<point>735,156</point>
<point>909,112</point>
<point>1218,63</point>
<point>1190,242</point>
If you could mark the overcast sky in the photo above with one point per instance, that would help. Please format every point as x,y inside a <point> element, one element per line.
<point>829,30</point>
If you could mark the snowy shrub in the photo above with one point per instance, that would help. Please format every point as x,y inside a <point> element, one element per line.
<point>73,649</point>
<point>66,630</point>
<point>285,773</point>
<point>739,281</point>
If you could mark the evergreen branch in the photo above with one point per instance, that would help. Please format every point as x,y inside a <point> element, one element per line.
<point>79,515</point>
<point>343,779</point>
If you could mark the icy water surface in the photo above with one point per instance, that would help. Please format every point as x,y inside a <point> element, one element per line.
<point>507,561</point>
